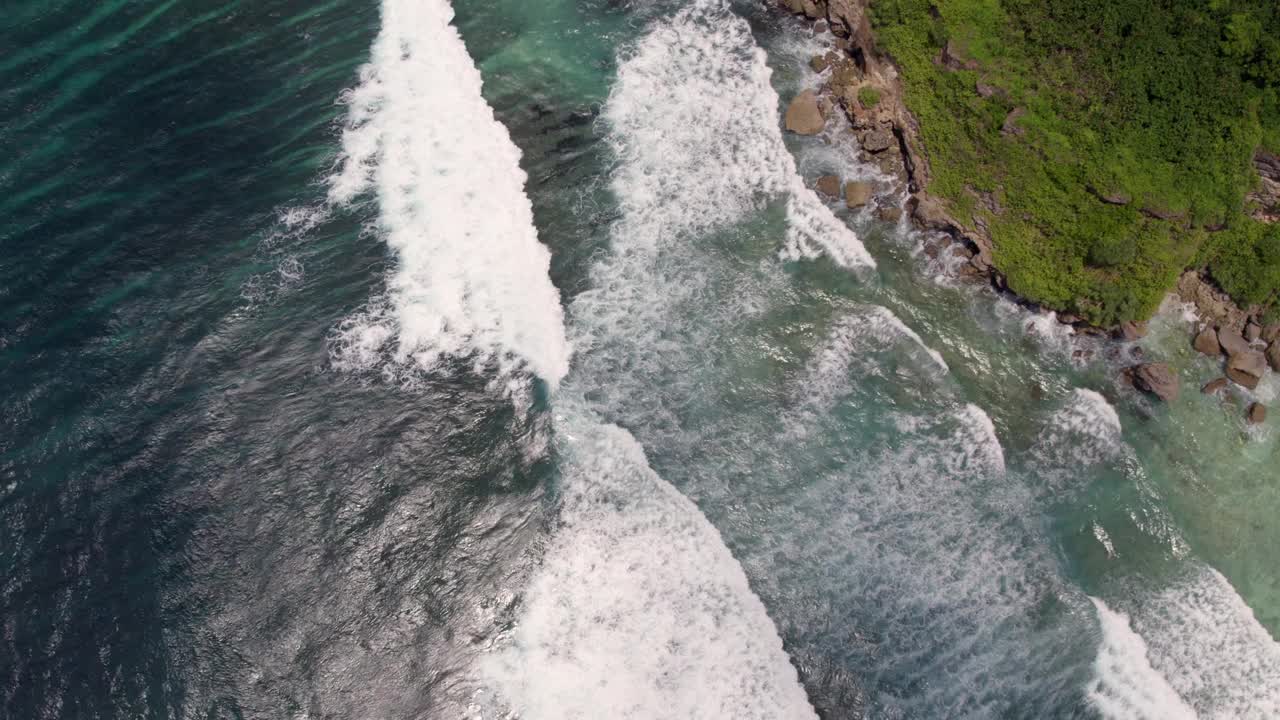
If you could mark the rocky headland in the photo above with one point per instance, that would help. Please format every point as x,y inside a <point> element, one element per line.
<point>863,82</point>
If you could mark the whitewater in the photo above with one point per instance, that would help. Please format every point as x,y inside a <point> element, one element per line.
<point>652,599</point>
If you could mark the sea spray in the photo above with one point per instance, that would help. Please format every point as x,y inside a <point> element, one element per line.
<point>1203,637</point>
<point>694,123</point>
<point>1126,687</point>
<point>471,278</point>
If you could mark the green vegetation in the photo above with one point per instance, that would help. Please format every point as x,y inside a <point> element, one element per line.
<point>1106,144</point>
<point>869,97</point>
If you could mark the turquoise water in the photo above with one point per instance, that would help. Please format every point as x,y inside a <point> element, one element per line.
<point>300,420</point>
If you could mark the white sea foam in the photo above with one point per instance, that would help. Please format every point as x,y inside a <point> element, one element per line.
<point>1203,637</point>
<point>855,345</point>
<point>695,126</point>
<point>471,277</point>
<point>1086,431</point>
<point>639,610</point>
<point>1125,686</point>
<point>981,446</point>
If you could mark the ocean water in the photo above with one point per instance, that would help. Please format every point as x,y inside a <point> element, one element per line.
<point>417,359</point>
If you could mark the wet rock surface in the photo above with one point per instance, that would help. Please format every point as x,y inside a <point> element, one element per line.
<point>1156,379</point>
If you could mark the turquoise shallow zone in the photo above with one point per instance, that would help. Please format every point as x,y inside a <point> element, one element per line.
<point>200,517</point>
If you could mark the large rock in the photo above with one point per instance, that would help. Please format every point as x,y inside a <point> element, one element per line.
<point>829,185</point>
<point>1273,356</point>
<point>804,116</point>
<point>1132,331</point>
<point>1212,304</point>
<point>1247,368</point>
<point>1252,332</point>
<point>930,212</point>
<point>1232,342</point>
<point>857,193</point>
<point>1158,379</point>
<point>878,140</point>
<point>1257,414</point>
<point>1207,343</point>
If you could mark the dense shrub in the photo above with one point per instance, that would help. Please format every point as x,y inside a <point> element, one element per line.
<point>1158,102</point>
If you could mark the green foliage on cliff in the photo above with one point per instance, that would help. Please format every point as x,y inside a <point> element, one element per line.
<point>1106,144</point>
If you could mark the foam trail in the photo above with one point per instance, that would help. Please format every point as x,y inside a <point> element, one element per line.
<point>1125,686</point>
<point>1086,431</point>
<point>695,126</point>
<point>471,277</point>
<point>856,343</point>
<point>639,610</point>
<point>1204,638</point>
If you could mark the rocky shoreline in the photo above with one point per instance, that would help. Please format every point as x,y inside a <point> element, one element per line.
<point>864,84</point>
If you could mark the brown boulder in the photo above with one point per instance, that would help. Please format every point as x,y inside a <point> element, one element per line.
<point>1273,356</point>
<point>1252,332</point>
<point>1271,333</point>
<point>1206,343</point>
<point>1131,331</point>
<point>857,193</point>
<point>1157,379</point>
<point>1257,414</point>
<point>930,212</point>
<point>804,116</point>
<point>1215,386</point>
<point>1247,368</point>
<point>1232,342</point>
<point>828,185</point>
<point>819,63</point>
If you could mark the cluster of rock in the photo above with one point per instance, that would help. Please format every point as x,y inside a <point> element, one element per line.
<point>856,193</point>
<point>1239,337</point>
<point>1248,356</point>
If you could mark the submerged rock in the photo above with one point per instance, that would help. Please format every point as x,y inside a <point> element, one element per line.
<point>1206,343</point>
<point>1257,414</point>
<point>828,185</point>
<point>1157,379</point>
<point>804,116</point>
<point>1215,386</point>
<point>1247,368</point>
<point>889,214</point>
<point>857,193</point>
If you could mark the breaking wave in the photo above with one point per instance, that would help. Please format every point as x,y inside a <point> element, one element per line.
<point>471,278</point>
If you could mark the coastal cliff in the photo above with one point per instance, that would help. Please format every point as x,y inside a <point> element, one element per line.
<point>999,133</point>
<point>1007,141</point>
